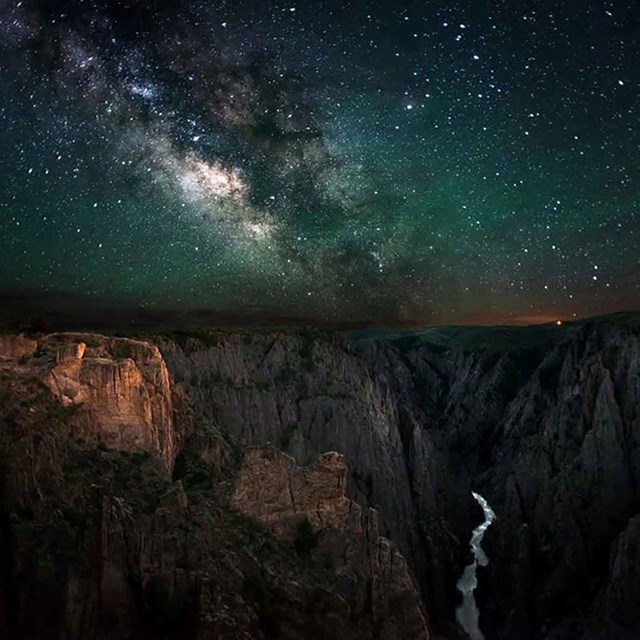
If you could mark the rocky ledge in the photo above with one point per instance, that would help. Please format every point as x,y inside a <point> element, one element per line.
<point>122,515</point>
<point>309,506</point>
<point>120,389</point>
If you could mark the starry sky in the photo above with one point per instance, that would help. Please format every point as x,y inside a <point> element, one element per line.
<point>406,162</point>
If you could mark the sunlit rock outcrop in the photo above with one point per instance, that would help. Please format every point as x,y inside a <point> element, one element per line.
<point>119,388</point>
<point>287,498</point>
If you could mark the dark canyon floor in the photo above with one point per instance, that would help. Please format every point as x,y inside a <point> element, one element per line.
<point>290,484</point>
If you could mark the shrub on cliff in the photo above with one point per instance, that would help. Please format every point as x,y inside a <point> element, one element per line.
<point>306,538</point>
<point>121,351</point>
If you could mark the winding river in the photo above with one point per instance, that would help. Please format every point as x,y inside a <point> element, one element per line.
<point>467,613</point>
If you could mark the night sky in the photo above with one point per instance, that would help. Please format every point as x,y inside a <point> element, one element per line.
<point>411,162</point>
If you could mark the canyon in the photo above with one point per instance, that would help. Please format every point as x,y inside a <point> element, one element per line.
<point>298,483</point>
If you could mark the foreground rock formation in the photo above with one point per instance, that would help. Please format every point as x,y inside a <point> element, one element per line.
<point>286,498</point>
<point>117,518</point>
<point>155,466</point>
<point>119,389</point>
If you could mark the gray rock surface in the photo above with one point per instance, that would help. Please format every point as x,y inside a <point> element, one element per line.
<point>547,429</point>
<point>543,422</point>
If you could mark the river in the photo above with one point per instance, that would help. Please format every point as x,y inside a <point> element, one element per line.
<point>467,613</point>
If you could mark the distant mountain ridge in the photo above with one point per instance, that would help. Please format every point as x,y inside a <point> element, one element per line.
<point>63,311</point>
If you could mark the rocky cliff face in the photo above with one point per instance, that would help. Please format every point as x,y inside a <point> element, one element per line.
<point>550,436</point>
<point>564,471</point>
<point>117,518</point>
<point>286,498</point>
<point>307,393</point>
<point>543,423</point>
<point>120,389</point>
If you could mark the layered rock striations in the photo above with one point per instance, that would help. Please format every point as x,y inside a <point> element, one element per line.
<point>119,387</point>
<point>565,468</point>
<point>121,517</point>
<point>293,502</point>
<point>542,422</point>
<point>310,392</point>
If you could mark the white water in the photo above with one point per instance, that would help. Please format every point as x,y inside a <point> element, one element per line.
<point>467,613</point>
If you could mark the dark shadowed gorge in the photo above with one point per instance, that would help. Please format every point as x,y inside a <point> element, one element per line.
<point>305,484</point>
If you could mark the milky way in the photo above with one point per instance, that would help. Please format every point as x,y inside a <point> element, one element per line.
<point>423,162</point>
